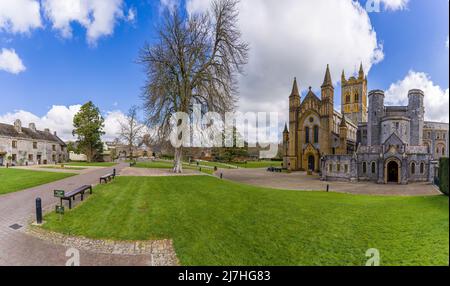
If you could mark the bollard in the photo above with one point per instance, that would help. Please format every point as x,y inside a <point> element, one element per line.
<point>114,172</point>
<point>328,188</point>
<point>221,175</point>
<point>38,211</point>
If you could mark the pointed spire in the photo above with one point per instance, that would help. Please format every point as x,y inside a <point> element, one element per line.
<point>285,128</point>
<point>295,88</point>
<point>343,76</point>
<point>343,122</point>
<point>361,71</point>
<point>327,81</point>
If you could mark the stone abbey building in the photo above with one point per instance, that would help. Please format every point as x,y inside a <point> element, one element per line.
<point>28,146</point>
<point>368,141</point>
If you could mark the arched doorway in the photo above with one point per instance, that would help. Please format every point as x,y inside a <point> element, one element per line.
<point>311,163</point>
<point>393,172</point>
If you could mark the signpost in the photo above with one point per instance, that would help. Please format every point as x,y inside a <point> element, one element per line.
<point>59,209</point>
<point>59,193</point>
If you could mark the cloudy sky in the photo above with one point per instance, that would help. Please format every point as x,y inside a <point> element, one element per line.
<point>56,55</point>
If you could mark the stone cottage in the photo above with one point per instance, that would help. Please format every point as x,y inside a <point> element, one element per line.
<point>21,146</point>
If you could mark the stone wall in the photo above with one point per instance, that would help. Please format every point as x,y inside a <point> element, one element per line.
<point>339,168</point>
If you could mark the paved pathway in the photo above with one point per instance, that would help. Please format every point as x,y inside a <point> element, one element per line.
<point>301,181</point>
<point>19,248</point>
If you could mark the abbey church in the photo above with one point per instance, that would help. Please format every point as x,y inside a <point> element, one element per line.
<point>366,140</point>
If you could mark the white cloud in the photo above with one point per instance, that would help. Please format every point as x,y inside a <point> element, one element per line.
<point>60,119</point>
<point>19,16</point>
<point>394,5</point>
<point>299,38</point>
<point>436,99</point>
<point>112,125</point>
<point>131,15</point>
<point>11,62</point>
<point>97,16</point>
<point>168,4</point>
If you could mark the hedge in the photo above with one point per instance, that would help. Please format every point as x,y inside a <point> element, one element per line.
<point>443,175</point>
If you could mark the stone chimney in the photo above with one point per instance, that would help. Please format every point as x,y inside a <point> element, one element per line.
<point>32,126</point>
<point>54,133</point>
<point>47,130</point>
<point>18,125</point>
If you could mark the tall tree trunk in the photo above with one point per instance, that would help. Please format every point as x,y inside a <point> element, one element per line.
<point>178,166</point>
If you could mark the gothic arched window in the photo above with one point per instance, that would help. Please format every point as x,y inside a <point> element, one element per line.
<point>422,168</point>
<point>413,168</point>
<point>347,98</point>
<point>307,134</point>
<point>316,134</point>
<point>364,167</point>
<point>356,97</point>
<point>374,168</point>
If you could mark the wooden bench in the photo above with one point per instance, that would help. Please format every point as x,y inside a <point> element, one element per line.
<point>108,177</point>
<point>278,170</point>
<point>274,170</point>
<point>79,191</point>
<point>132,164</point>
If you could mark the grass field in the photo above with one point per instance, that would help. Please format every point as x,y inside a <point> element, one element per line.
<point>258,164</point>
<point>215,164</point>
<point>65,168</point>
<point>12,180</point>
<point>215,222</point>
<point>169,165</point>
<point>92,164</point>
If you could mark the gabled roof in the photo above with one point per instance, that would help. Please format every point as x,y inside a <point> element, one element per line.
<point>9,131</point>
<point>393,139</point>
<point>311,94</point>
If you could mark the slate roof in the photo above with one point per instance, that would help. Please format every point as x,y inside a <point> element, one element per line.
<point>9,131</point>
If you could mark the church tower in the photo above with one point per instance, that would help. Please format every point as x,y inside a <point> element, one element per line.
<point>354,97</point>
<point>326,113</point>
<point>294,105</point>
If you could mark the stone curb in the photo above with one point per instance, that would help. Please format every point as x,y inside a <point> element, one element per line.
<point>161,251</point>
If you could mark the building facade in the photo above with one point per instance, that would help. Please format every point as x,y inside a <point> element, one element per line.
<point>374,142</point>
<point>21,146</point>
<point>316,129</point>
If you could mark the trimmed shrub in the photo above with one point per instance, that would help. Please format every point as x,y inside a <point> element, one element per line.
<point>443,175</point>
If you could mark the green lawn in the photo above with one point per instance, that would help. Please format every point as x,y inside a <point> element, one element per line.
<point>258,164</point>
<point>92,164</point>
<point>12,180</point>
<point>215,164</point>
<point>65,168</point>
<point>154,165</point>
<point>169,165</point>
<point>215,222</point>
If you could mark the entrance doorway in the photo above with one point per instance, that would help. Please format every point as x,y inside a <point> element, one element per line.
<point>392,172</point>
<point>311,163</point>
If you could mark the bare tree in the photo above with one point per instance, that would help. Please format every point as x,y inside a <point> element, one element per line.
<point>131,129</point>
<point>195,61</point>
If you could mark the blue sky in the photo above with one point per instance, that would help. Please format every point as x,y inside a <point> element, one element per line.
<point>70,70</point>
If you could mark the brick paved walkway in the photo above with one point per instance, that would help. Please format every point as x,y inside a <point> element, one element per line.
<point>301,181</point>
<point>19,248</point>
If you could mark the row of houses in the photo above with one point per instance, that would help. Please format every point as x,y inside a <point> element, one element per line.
<point>28,146</point>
